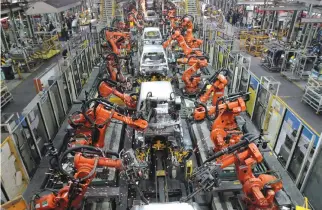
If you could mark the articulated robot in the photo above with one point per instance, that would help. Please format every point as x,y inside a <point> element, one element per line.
<point>224,131</point>
<point>113,68</point>
<point>108,87</point>
<point>91,124</point>
<point>218,83</point>
<point>189,76</point>
<point>171,15</point>
<point>259,192</point>
<point>118,41</point>
<point>176,35</point>
<point>187,24</point>
<point>86,160</point>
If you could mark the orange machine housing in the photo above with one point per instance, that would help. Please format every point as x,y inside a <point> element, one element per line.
<point>83,166</point>
<point>105,90</point>
<point>217,89</point>
<point>102,116</point>
<point>191,81</point>
<point>256,196</point>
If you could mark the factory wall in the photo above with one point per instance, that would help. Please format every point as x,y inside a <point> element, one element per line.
<point>24,136</point>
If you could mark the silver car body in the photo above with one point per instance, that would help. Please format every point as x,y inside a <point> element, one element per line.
<point>152,36</point>
<point>153,61</point>
<point>151,16</point>
<point>149,4</point>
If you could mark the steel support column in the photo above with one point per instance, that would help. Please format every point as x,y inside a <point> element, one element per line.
<point>292,26</point>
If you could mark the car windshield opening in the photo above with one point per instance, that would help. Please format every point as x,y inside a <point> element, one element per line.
<point>153,58</point>
<point>152,35</point>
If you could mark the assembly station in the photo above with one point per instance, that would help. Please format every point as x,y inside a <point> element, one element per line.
<point>161,105</point>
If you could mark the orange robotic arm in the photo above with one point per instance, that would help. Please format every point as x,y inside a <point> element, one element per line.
<point>96,120</point>
<point>256,197</point>
<point>73,194</point>
<point>243,155</point>
<point>236,106</point>
<point>187,22</point>
<point>103,118</point>
<point>217,88</point>
<point>105,89</point>
<point>114,37</point>
<point>114,68</point>
<point>191,83</point>
<point>180,39</point>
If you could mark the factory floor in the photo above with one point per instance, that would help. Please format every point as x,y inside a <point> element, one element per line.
<point>25,90</point>
<point>291,92</point>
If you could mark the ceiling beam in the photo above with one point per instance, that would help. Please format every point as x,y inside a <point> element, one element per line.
<point>311,20</point>
<point>286,8</point>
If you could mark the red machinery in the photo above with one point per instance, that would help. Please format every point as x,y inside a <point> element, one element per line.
<point>224,130</point>
<point>187,23</point>
<point>118,41</point>
<point>108,87</point>
<point>113,67</point>
<point>188,77</point>
<point>218,83</point>
<point>259,192</point>
<point>91,124</point>
<point>72,195</point>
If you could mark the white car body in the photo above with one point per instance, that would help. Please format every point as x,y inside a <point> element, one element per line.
<point>152,36</point>
<point>153,61</point>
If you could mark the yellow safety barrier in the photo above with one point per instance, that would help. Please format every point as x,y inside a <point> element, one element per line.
<point>16,204</point>
<point>10,156</point>
<point>305,207</point>
<point>189,169</point>
<point>255,44</point>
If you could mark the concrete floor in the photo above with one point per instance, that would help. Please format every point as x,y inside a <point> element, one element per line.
<point>25,91</point>
<point>290,92</point>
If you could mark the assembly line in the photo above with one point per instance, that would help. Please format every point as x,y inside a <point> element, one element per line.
<point>157,161</point>
<point>161,105</point>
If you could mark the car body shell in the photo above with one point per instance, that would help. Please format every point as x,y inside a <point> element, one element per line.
<point>159,66</point>
<point>151,40</point>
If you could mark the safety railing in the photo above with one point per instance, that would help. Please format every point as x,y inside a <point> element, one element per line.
<point>295,144</point>
<point>29,131</point>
